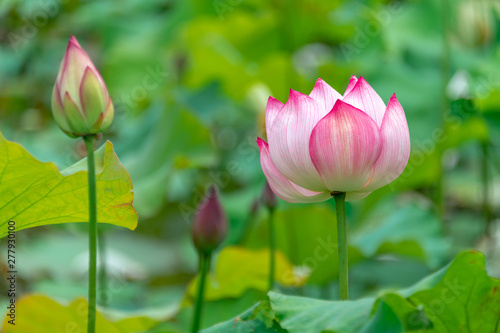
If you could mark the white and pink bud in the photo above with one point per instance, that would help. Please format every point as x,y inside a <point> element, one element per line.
<point>80,101</point>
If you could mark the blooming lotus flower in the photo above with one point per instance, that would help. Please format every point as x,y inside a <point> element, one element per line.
<point>325,143</point>
<point>80,101</point>
<point>210,224</point>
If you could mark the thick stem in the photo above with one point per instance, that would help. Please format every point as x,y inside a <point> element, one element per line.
<point>272,249</point>
<point>486,189</point>
<point>89,143</point>
<point>342,237</point>
<point>203,269</point>
<point>445,77</point>
<point>102,268</point>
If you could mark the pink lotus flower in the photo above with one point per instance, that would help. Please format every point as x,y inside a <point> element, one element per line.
<point>80,101</point>
<point>327,143</point>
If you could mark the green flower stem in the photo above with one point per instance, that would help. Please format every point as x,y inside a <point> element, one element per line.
<point>205,259</point>
<point>102,268</point>
<point>272,249</point>
<point>342,237</point>
<point>445,103</point>
<point>89,143</point>
<point>486,188</point>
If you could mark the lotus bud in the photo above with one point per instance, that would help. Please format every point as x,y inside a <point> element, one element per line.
<point>210,224</point>
<point>80,101</point>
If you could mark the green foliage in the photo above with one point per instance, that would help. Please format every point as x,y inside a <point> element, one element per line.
<point>238,269</point>
<point>465,300</point>
<point>298,314</point>
<point>189,81</point>
<point>44,315</point>
<point>258,319</point>
<point>308,236</point>
<point>408,231</point>
<point>168,156</point>
<point>36,193</point>
<point>459,298</point>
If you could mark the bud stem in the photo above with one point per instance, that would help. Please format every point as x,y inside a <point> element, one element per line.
<point>103,285</point>
<point>205,258</point>
<point>486,189</point>
<point>445,79</point>
<point>342,237</point>
<point>272,248</point>
<point>89,144</point>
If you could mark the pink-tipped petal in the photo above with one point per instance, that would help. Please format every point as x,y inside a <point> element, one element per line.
<point>352,83</point>
<point>281,186</point>
<point>72,40</point>
<point>273,107</point>
<point>365,98</point>
<point>289,140</point>
<point>344,145</point>
<point>395,139</point>
<point>325,95</point>
<point>72,70</point>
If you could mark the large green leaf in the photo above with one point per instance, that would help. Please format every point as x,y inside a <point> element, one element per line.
<point>257,319</point>
<point>34,193</point>
<point>459,298</point>
<point>305,315</point>
<point>465,300</point>
<point>40,314</point>
<point>384,320</point>
<point>218,311</point>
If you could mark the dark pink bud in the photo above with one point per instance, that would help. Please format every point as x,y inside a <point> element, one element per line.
<point>210,223</point>
<point>268,197</point>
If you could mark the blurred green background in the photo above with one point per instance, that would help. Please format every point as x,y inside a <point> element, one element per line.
<point>190,80</point>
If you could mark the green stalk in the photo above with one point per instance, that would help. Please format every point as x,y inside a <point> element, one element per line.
<point>342,237</point>
<point>445,77</point>
<point>102,268</point>
<point>205,259</point>
<point>486,189</point>
<point>89,143</point>
<point>272,249</point>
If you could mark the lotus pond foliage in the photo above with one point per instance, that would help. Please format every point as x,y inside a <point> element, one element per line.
<point>245,166</point>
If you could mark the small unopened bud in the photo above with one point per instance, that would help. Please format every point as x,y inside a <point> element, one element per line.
<point>268,197</point>
<point>210,224</point>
